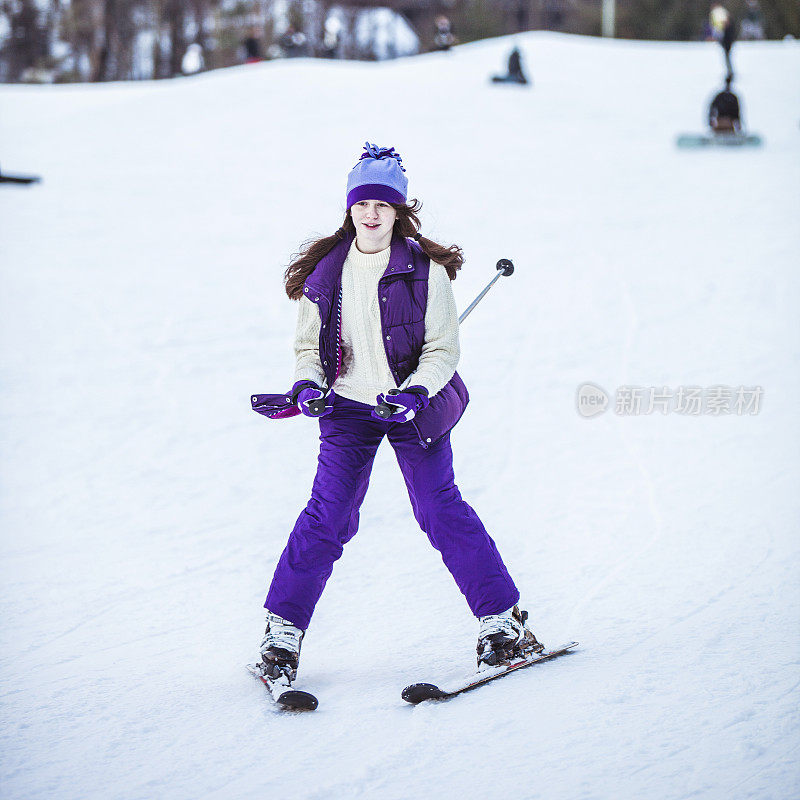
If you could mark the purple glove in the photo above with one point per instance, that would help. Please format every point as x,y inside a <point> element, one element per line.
<point>405,403</point>
<point>304,393</point>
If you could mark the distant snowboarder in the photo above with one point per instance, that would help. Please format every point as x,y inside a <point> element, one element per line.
<point>725,121</point>
<point>724,113</point>
<point>515,72</point>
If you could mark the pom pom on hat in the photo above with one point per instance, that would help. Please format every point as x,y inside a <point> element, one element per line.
<point>378,175</point>
<point>373,151</point>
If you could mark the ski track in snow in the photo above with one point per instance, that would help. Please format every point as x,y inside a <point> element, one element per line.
<point>646,477</point>
<point>143,506</point>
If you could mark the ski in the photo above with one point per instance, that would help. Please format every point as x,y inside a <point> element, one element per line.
<point>282,692</point>
<point>418,692</point>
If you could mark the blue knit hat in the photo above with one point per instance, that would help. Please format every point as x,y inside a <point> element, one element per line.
<point>379,175</point>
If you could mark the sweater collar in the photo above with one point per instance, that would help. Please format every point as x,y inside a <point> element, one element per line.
<point>370,261</point>
<point>327,274</point>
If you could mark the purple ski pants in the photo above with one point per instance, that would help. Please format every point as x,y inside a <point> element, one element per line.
<point>349,441</point>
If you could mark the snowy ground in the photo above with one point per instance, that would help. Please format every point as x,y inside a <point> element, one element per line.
<point>144,506</point>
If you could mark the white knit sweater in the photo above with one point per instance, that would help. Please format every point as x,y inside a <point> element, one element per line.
<point>365,369</point>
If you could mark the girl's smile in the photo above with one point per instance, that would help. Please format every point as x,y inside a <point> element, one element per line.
<point>374,223</point>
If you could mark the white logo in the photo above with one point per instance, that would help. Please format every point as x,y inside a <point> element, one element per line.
<point>591,400</point>
<point>634,401</point>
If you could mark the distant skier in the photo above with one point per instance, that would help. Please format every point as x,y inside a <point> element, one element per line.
<point>251,48</point>
<point>331,38</point>
<point>724,114</point>
<point>377,323</point>
<point>293,43</point>
<point>753,22</point>
<point>724,29</point>
<point>515,72</point>
<point>192,61</point>
<point>443,37</point>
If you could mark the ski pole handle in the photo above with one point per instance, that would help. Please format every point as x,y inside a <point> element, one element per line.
<point>506,265</point>
<point>317,407</point>
<point>385,410</point>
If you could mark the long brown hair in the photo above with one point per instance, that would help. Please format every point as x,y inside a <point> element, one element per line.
<point>407,224</point>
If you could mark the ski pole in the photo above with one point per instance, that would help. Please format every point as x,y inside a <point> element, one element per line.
<point>504,267</point>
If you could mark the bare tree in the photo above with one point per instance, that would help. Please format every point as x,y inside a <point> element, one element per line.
<point>27,44</point>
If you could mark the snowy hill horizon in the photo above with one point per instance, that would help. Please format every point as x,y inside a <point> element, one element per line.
<point>143,505</point>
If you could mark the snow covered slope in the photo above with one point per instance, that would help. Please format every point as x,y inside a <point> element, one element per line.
<point>144,505</point>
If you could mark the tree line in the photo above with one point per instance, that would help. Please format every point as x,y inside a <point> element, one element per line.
<point>106,40</point>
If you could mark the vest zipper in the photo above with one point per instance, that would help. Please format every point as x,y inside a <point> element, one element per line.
<point>338,336</point>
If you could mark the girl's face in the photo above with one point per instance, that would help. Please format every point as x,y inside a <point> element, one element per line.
<point>374,221</point>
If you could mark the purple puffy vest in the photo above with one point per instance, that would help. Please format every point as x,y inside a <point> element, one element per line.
<point>403,299</point>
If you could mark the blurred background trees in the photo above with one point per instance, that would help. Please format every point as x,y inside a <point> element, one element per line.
<point>105,40</point>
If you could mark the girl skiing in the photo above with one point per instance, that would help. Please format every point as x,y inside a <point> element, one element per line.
<point>377,324</point>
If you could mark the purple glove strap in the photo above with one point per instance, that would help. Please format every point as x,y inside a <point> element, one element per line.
<point>408,402</point>
<point>299,387</point>
<point>306,392</point>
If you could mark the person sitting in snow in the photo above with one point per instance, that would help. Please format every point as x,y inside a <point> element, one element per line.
<point>515,72</point>
<point>724,114</point>
<point>377,344</point>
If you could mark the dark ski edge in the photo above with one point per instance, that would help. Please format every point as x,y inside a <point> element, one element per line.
<point>419,692</point>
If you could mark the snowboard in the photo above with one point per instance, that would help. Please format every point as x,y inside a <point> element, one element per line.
<point>700,140</point>
<point>282,692</point>
<point>514,81</point>
<point>418,692</point>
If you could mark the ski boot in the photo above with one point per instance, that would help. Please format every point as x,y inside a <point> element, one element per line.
<point>504,637</point>
<point>280,649</point>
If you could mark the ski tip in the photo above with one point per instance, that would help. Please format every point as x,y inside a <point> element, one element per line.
<point>295,700</point>
<point>418,692</point>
